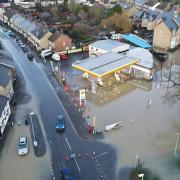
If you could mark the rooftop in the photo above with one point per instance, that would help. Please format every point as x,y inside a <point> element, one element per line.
<point>4,76</point>
<point>144,56</point>
<point>107,45</point>
<point>105,64</point>
<point>136,40</point>
<point>3,102</point>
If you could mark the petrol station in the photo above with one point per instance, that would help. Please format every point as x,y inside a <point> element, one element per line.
<point>107,64</point>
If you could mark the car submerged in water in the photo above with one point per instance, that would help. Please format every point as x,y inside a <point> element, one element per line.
<point>23,147</point>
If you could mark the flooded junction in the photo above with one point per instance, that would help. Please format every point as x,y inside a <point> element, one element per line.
<point>150,123</point>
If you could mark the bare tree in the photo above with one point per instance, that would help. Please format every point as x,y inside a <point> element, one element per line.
<point>173,78</point>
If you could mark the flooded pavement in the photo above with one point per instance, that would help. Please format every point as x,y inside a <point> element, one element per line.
<point>149,121</point>
<point>27,167</point>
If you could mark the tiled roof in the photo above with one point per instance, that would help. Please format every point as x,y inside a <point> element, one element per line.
<point>4,76</point>
<point>38,33</point>
<point>3,102</point>
<point>8,14</point>
<point>168,17</point>
<point>54,36</point>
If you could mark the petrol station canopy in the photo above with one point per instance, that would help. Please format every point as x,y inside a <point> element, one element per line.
<point>105,64</point>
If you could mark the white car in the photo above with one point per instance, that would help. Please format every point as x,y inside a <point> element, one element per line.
<point>23,147</point>
<point>55,57</point>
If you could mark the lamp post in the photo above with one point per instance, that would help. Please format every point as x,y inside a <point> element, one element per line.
<point>141,176</point>
<point>177,134</point>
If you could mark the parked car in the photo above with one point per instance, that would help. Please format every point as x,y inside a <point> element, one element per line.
<point>23,147</point>
<point>11,34</point>
<point>25,49</point>
<point>63,56</point>
<point>60,124</point>
<point>55,57</point>
<point>46,53</point>
<point>30,56</point>
<point>66,174</point>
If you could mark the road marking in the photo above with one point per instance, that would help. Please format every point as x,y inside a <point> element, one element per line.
<point>101,154</point>
<point>77,165</point>
<point>68,143</point>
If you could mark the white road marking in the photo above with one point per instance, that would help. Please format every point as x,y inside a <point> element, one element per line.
<point>68,144</point>
<point>101,154</point>
<point>77,165</point>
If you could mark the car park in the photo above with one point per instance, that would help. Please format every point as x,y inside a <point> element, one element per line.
<point>23,147</point>
<point>60,123</point>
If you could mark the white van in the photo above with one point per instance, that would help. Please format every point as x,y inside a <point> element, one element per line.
<point>116,36</point>
<point>46,53</point>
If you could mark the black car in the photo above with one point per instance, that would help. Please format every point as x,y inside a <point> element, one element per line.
<point>30,56</point>
<point>25,49</point>
<point>60,124</point>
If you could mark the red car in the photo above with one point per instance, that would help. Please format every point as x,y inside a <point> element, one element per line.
<point>63,56</point>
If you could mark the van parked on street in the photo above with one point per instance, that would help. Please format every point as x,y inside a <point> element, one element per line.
<point>46,53</point>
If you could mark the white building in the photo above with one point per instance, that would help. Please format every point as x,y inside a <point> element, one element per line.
<point>104,46</point>
<point>143,69</point>
<point>5,113</point>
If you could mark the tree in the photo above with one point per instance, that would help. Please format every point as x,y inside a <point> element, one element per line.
<point>117,22</point>
<point>81,31</point>
<point>173,79</point>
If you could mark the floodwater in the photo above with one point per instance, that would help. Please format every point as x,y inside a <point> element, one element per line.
<point>149,123</point>
<point>17,167</point>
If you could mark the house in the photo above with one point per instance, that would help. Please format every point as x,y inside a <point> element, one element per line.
<point>6,84</point>
<point>40,38</point>
<point>5,113</point>
<point>103,46</point>
<point>60,42</point>
<point>167,31</point>
<point>31,4</point>
<point>145,19</point>
<point>36,33</point>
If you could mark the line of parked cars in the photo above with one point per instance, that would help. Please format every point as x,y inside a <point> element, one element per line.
<point>56,57</point>
<point>24,48</point>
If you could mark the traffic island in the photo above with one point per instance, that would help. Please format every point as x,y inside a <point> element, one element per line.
<point>38,140</point>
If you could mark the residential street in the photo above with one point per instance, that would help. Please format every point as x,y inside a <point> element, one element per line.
<point>46,104</point>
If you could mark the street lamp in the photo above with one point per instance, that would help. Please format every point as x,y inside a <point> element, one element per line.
<point>141,176</point>
<point>177,134</point>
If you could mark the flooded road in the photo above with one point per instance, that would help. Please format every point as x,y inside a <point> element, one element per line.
<point>149,123</point>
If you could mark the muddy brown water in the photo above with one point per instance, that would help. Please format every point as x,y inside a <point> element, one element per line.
<point>148,132</point>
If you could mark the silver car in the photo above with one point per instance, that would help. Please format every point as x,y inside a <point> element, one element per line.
<point>23,147</point>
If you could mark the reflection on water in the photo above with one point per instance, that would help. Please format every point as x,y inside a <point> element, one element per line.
<point>148,132</point>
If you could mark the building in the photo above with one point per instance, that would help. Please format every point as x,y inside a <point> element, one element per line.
<point>40,38</point>
<point>142,69</point>
<point>103,46</point>
<point>5,113</point>
<point>167,31</point>
<point>6,84</point>
<point>60,42</point>
<point>36,33</point>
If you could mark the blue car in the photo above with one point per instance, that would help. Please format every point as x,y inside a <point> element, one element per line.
<point>60,124</point>
<point>66,174</point>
